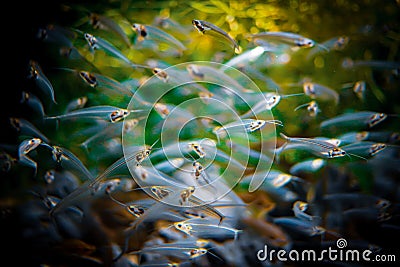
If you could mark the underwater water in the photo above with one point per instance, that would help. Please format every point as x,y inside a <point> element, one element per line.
<point>201,133</point>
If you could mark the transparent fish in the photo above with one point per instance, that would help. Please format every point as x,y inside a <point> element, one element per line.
<point>24,148</point>
<point>200,173</point>
<point>299,210</point>
<point>312,108</point>
<point>107,113</point>
<point>106,23</point>
<point>181,79</point>
<point>299,226</point>
<point>244,125</point>
<point>379,136</point>
<point>36,73</point>
<point>56,34</point>
<point>214,75</point>
<point>254,72</point>
<point>320,92</point>
<point>69,161</point>
<point>99,43</point>
<point>77,103</point>
<point>6,161</point>
<point>364,149</point>
<point>353,137</point>
<point>206,27</point>
<point>148,32</point>
<point>204,229</point>
<point>211,210</point>
<point>273,183</point>
<point>183,253</point>
<point>171,25</point>
<point>25,128</point>
<point>49,176</point>
<point>144,153</point>
<point>245,58</point>
<point>356,120</point>
<point>321,148</point>
<point>33,102</point>
<point>269,101</point>
<point>170,165</point>
<point>359,89</point>
<point>111,130</point>
<point>273,233</point>
<point>153,213</point>
<point>349,63</point>
<point>308,166</point>
<point>137,155</point>
<point>343,201</point>
<point>284,37</point>
<point>334,44</point>
<point>101,82</point>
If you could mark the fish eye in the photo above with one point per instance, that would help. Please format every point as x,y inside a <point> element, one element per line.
<point>179,225</point>
<point>194,251</point>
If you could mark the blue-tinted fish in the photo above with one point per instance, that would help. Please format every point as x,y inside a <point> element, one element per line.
<point>36,73</point>
<point>24,148</point>
<point>56,34</point>
<point>299,210</point>
<point>77,103</point>
<point>25,128</point>
<point>298,226</point>
<point>33,102</point>
<point>6,161</point>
